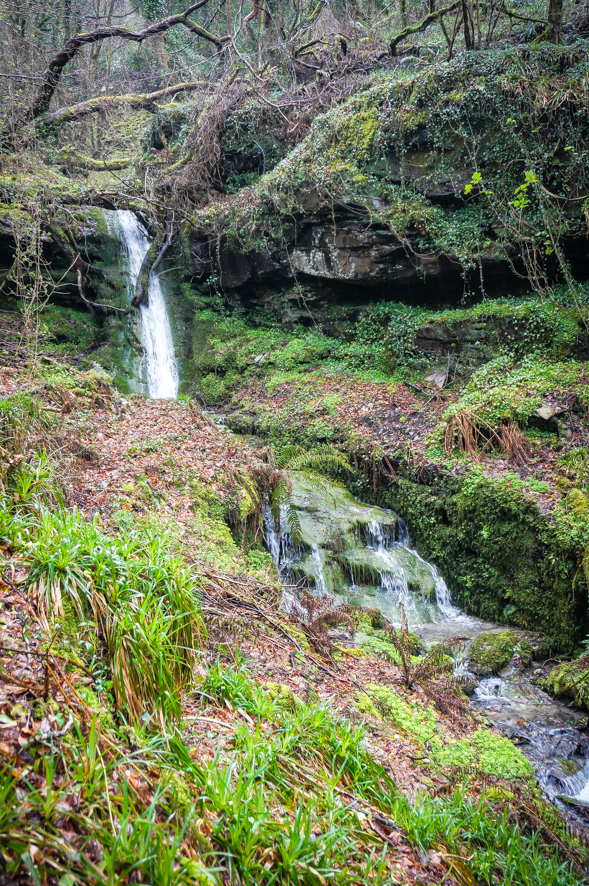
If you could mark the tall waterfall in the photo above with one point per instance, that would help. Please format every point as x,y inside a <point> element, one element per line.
<point>161,370</point>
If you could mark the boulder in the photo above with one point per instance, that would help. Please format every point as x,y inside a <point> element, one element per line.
<point>240,423</point>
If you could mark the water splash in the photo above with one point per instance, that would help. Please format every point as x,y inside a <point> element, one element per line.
<point>160,367</point>
<point>393,575</point>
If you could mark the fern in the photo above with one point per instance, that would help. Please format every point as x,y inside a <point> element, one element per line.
<point>321,459</point>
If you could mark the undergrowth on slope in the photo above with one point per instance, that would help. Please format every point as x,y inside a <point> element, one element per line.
<point>113,788</point>
<point>128,590</point>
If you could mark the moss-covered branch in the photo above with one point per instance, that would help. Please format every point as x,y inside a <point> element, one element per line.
<point>144,100</point>
<point>422,25</point>
<point>74,159</point>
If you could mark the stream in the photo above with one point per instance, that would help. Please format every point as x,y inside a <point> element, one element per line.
<point>364,554</point>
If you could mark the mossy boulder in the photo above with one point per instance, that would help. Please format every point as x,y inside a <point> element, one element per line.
<point>240,423</point>
<point>571,679</point>
<point>491,652</point>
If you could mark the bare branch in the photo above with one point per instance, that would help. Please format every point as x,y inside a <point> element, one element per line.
<point>72,47</point>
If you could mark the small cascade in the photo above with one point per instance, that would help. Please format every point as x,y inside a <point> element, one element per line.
<point>359,552</point>
<point>160,369</point>
<point>395,577</point>
<point>490,688</point>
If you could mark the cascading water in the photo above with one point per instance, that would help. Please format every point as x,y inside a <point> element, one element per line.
<point>393,575</point>
<point>360,552</point>
<point>159,361</point>
<point>363,555</point>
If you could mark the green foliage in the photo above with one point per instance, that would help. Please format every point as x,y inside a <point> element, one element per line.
<point>482,748</point>
<point>571,679</point>
<point>502,390</point>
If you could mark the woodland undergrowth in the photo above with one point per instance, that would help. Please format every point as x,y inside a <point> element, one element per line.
<point>116,648</point>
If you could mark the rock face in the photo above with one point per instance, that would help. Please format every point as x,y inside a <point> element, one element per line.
<point>340,260</point>
<point>407,184</point>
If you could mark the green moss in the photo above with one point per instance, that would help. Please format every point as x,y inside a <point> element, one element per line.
<point>482,749</point>
<point>577,502</point>
<point>365,705</point>
<point>571,679</point>
<point>284,695</point>
<point>490,653</point>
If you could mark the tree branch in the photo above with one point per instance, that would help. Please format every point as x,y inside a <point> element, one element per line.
<point>71,158</point>
<point>422,25</point>
<point>524,18</point>
<point>54,70</point>
<point>101,103</point>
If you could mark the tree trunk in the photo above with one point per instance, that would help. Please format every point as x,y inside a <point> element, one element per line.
<point>555,20</point>
<point>467,18</point>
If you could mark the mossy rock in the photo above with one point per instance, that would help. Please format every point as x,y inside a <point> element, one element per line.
<point>491,652</point>
<point>577,502</point>
<point>378,621</point>
<point>240,423</point>
<point>571,679</point>
<point>369,618</point>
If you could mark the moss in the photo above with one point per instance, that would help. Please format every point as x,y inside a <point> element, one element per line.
<point>577,502</point>
<point>571,679</point>
<point>354,652</point>
<point>365,705</point>
<point>284,695</point>
<point>488,752</point>
<point>502,558</point>
<point>490,653</point>
<point>384,147</point>
<point>240,423</point>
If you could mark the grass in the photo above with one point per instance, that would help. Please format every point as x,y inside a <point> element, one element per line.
<point>294,802</point>
<point>135,593</point>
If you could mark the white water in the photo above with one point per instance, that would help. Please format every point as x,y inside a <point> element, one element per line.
<point>383,540</point>
<point>161,371</point>
<point>393,578</point>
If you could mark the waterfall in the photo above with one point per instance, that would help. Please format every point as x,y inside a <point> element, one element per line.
<point>161,370</point>
<point>360,552</point>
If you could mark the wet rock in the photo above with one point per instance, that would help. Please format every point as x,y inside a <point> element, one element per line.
<point>468,686</point>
